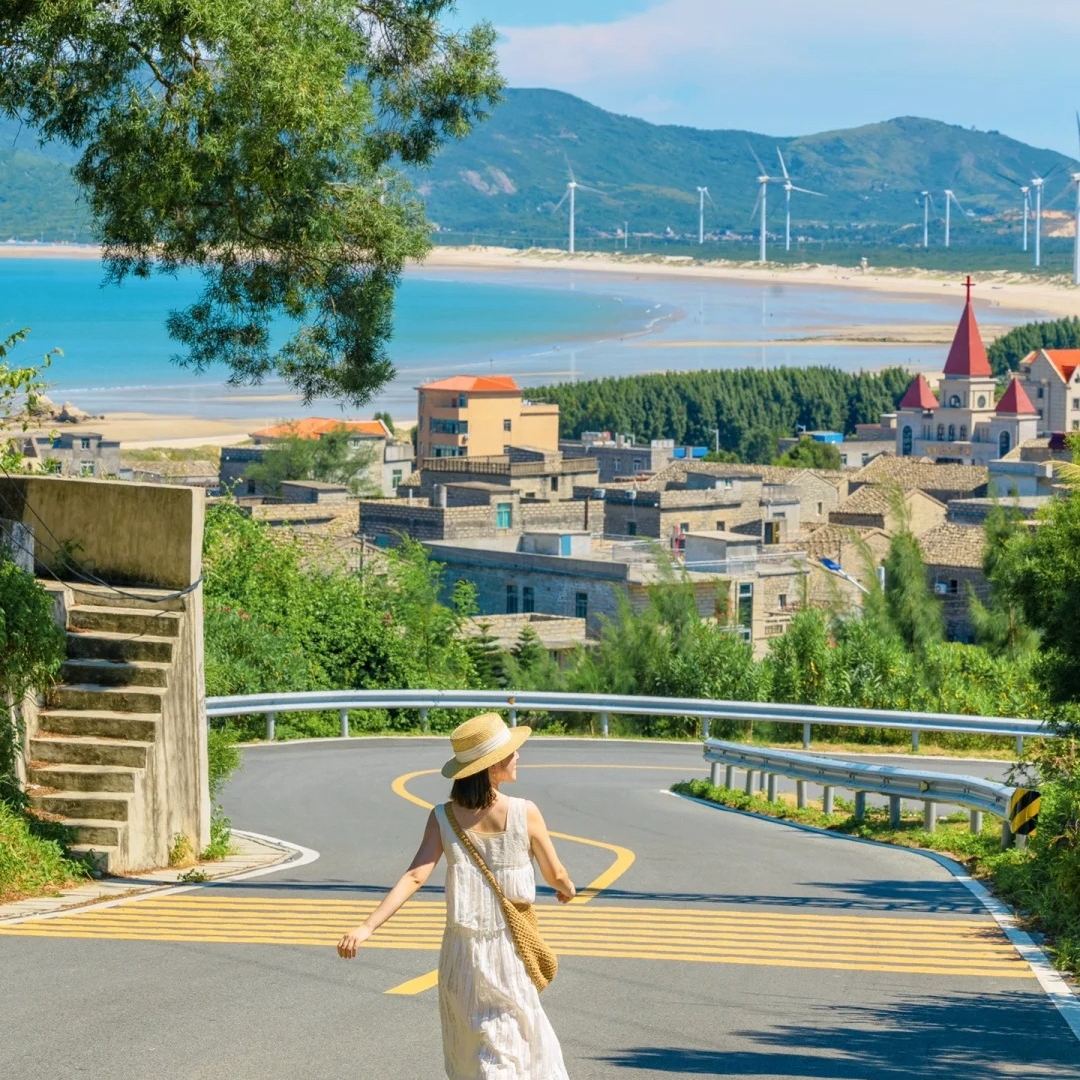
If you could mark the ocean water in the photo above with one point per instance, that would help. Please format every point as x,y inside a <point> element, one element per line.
<point>539,326</point>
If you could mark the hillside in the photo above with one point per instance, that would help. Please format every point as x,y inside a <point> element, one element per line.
<point>504,181</point>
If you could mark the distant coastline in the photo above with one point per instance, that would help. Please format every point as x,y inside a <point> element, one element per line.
<point>1006,289</point>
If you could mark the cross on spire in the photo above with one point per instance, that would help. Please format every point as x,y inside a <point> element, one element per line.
<point>969,284</point>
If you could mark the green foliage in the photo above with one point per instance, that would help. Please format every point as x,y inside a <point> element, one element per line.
<point>20,391</point>
<point>32,860</point>
<point>1008,350</point>
<point>751,408</point>
<point>388,420</point>
<point>914,614</point>
<point>31,652</point>
<point>329,459</point>
<point>486,656</point>
<point>808,453</point>
<point>259,141</point>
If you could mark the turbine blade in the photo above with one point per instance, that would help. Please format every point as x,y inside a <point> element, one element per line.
<point>807,191</point>
<point>957,201</point>
<point>757,203</point>
<point>783,166</point>
<point>1015,183</point>
<point>1078,125</point>
<point>583,187</point>
<point>757,159</point>
<point>710,198</point>
<point>561,201</point>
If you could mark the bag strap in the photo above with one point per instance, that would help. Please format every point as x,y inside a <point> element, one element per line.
<point>470,847</point>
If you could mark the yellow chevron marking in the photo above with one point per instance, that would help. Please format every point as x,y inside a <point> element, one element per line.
<point>942,947</point>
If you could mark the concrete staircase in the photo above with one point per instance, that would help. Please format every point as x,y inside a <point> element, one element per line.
<point>93,753</point>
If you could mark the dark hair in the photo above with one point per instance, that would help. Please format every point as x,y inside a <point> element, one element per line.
<point>473,792</point>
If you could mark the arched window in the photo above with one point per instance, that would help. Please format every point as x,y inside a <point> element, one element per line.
<point>941,431</point>
<point>1004,443</point>
<point>963,432</point>
<point>905,441</point>
<point>952,433</point>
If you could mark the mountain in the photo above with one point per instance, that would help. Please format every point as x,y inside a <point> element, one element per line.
<point>504,181</point>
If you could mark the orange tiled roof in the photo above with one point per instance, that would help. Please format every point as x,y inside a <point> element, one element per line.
<point>312,427</point>
<point>474,384</point>
<point>1065,360</point>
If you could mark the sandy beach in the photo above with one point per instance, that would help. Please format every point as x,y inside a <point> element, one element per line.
<point>138,431</point>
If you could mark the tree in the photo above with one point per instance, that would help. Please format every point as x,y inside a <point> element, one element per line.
<point>914,613</point>
<point>260,142</point>
<point>388,420</point>
<point>330,459</point>
<point>808,453</point>
<point>20,390</point>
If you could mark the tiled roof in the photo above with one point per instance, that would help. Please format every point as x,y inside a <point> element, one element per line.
<point>1015,402</point>
<point>474,384</point>
<point>922,475</point>
<point>1065,360</point>
<point>967,356</point>
<point>918,395</point>
<point>829,539</point>
<point>312,427</point>
<point>675,473</point>
<point>953,545</point>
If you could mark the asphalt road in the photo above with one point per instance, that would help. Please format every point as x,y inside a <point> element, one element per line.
<point>729,946</point>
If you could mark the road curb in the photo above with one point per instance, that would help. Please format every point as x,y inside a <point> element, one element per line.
<point>1054,985</point>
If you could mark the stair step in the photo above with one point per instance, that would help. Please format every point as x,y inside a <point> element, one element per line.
<point>71,777</point>
<point>140,673</point>
<point>134,599</point>
<point>140,727</point>
<point>107,645</point>
<point>98,857</point>
<point>93,832</point>
<point>93,697</point>
<point>122,620</point>
<point>88,750</point>
<point>95,805</point>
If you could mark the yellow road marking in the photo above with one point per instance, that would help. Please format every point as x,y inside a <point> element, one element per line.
<point>624,857</point>
<point>920,946</point>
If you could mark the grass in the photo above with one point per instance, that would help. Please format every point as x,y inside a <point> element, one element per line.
<point>32,857</point>
<point>156,454</point>
<point>1015,875</point>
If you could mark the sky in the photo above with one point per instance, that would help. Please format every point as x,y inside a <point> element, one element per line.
<point>793,67</point>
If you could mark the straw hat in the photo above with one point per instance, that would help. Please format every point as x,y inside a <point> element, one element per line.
<point>481,742</point>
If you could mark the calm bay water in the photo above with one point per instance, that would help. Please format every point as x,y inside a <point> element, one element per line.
<point>539,326</point>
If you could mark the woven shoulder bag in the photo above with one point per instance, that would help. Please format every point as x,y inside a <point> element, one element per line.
<point>541,964</point>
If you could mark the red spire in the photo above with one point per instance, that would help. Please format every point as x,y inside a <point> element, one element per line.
<point>1015,402</point>
<point>919,395</point>
<point>967,355</point>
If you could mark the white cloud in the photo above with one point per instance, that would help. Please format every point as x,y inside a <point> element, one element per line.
<point>789,66</point>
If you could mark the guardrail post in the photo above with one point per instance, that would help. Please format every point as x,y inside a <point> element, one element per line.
<point>772,787</point>
<point>749,781</point>
<point>513,717</point>
<point>1020,840</point>
<point>603,724</point>
<point>344,715</point>
<point>270,722</point>
<point>894,811</point>
<point>424,725</point>
<point>704,727</point>
<point>976,821</point>
<point>827,800</point>
<point>800,794</point>
<point>860,805</point>
<point>1019,745</point>
<point>714,773</point>
<point>729,777</point>
<point>929,817</point>
<point>1006,834</point>
<point>806,736</point>
<point>915,742</point>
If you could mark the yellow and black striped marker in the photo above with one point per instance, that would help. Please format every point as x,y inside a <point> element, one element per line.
<point>1024,812</point>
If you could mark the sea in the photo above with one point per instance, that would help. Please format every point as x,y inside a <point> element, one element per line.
<point>540,326</point>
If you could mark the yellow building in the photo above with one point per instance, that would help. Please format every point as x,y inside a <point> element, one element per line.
<point>481,416</point>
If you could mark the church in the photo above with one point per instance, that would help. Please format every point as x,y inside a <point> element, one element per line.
<point>964,424</point>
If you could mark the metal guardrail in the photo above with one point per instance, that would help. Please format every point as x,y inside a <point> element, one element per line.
<point>930,788</point>
<point>604,705</point>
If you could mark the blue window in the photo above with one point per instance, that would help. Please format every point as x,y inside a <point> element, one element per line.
<point>511,599</point>
<point>528,598</point>
<point>581,605</point>
<point>503,515</point>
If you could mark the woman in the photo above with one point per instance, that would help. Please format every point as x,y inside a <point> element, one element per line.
<point>493,1026</point>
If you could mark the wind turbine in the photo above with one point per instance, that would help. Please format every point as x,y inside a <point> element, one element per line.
<point>571,187</point>
<point>789,187</point>
<point>1076,241</point>
<point>703,194</point>
<point>949,199</point>
<point>1037,183</point>
<point>1025,191</point>
<point>927,199</point>
<point>764,180</point>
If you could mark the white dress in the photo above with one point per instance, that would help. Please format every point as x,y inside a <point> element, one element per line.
<point>493,1026</point>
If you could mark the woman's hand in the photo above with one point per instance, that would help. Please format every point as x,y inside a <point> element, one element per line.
<point>352,941</point>
<point>566,897</point>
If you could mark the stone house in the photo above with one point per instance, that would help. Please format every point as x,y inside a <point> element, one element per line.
<point>851,548</point>
<point>83,453</point>
<point>1051,378</point>
<point>620,457</point>
<point>873,507</point>
<point>535,473</point>
<point>953,556</point>
<point>943,482</point>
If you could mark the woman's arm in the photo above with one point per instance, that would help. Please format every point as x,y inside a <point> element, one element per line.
<point>553,871</point>
<point>427,855</point>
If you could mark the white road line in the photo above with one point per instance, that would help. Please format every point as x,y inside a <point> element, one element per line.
<point>1053,984</point>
